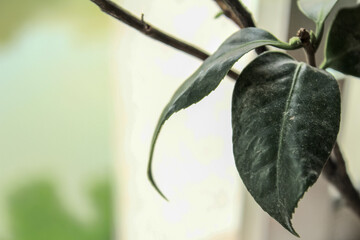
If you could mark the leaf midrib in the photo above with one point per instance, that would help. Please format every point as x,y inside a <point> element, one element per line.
<point>281,134</point>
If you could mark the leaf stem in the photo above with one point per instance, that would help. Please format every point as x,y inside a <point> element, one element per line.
<point>139,24</point>
<point>323,65</point>
<point>319,32</point>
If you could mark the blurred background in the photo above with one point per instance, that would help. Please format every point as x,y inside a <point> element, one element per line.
<point>57,121</point>
<point>80,96</point>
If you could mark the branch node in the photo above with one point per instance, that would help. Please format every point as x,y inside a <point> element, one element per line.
<point>146,26</point>
<point>305,39</point>
<point>304,36</point>
<point>117,12</point>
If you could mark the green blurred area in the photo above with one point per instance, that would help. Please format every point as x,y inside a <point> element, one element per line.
<point>37,214</point>
<point>82,15</point>
<point>56,120</point>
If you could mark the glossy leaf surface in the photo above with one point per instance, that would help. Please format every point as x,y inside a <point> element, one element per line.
<point>285,118</point>
<point>342,51</point>
<point>316,10</point>
<point>208,76</point>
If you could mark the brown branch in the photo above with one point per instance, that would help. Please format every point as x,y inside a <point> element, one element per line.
<point>234,10</point>
<point>126,17</point>
<point>335,172</point>
<point>229,13</point>
<point>238,13</point>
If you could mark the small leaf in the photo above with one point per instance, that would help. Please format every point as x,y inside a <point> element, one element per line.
<point>285,118</point>
<point>342,49</point>
<point>316,10</point>
<point>208,76</point>
<point>219,14</point>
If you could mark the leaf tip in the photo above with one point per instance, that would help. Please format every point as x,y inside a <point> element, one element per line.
<point>290,228</point>
<point>152,149</point>
<point>153,183</point>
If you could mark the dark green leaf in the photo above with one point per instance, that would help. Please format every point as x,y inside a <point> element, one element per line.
<point>210,74</point>
<point>316,10</point>
<point>285,118</point>
<point>342,51</point>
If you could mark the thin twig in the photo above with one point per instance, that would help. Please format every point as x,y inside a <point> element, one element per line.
<point>229,13</point>
<point>234,10</point>
<point>238,13</point>
<point>335,172</point>
<point>126,17</point>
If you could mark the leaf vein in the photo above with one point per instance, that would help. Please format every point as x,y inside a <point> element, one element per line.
<point>281,135</point>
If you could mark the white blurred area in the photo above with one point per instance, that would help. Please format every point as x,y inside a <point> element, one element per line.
<point>350,131</point>
<point>193,161</point>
